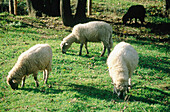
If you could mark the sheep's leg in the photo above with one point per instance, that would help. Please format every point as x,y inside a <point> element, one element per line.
<point>47,73</point>
<point>108,49</point>
<point>142,20</point>
<point>105,45</point>
<point>44,75</point>
<point>86,48</point>
<point>130,86</point>
<point>135,20</point>
<point>35,78</point>
<point>81,46</point>
<point>104,49</point>
<point>23,81</point>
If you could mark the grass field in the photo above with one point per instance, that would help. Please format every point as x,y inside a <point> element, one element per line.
<point>82,83</point>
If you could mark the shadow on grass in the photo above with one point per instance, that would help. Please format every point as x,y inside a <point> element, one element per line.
<point>15,23</point>
<point>148,95</point>
<point>159,28</point>
<point>151,96</point>
<point>96,57</point>
<point>158,64</point>
<point>108,95</point>
<point>164,48</point>
<point>138,37</point>
<point>93,92</point>
<point>42,90</point>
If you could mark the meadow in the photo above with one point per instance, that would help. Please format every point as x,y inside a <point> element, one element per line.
<point>82,83</point>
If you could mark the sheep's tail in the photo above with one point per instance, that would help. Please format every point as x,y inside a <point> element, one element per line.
<point>111,41</point>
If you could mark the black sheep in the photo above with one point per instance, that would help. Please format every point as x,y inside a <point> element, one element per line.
<point>135,11</point>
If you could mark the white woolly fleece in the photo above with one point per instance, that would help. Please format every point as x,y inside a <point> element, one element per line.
<point>38,57</point>
<point>122,61</point>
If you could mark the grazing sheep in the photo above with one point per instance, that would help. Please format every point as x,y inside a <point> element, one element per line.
<point>135,11</point>
<point>38,57</point>
<point>121,62</point>
<point>95,31</point>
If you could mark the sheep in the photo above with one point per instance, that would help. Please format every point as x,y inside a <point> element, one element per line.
<point>135,11</point>
<point>94,31</point>
<point>121,62</point>
<point>38,57</point>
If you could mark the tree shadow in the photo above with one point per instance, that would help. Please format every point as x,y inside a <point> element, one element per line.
<point>159,28</point>
<point>138,37</point>
<point>109,96</point>
<point>9,21</point>
<point>154,45</point>
<point>152,62</point>
<point>155,96</point>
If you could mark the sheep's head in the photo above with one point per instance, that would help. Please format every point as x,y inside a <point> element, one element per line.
<point>12,82</point>
<point>64,46</point>
<point>121,89</point>
<point>125,18</point>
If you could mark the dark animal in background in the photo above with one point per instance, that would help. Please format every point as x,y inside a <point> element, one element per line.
<point>135,11</point>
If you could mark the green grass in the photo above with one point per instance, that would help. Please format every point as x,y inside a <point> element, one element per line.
<point>82,83</point>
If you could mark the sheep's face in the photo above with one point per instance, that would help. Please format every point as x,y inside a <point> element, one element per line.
<point>64,47</point>
<point>13,83</point>
<point>120,90</point>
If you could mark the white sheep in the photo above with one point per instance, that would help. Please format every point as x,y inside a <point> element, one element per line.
<point>95,31</point>
<point>38,57</point>
<point>122,62</point>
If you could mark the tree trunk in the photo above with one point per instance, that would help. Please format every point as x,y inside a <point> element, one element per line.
<point>80,11</point>
<point>43,8</point>
<point>89,7</point>
<point>51,7</point>
<point>46,8</point>
<point>168,8</point>
<point>55,8</point>
<point>35,8</point>
<point>11,7</point>
<point>66,14</point>
<point>15,7</point>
